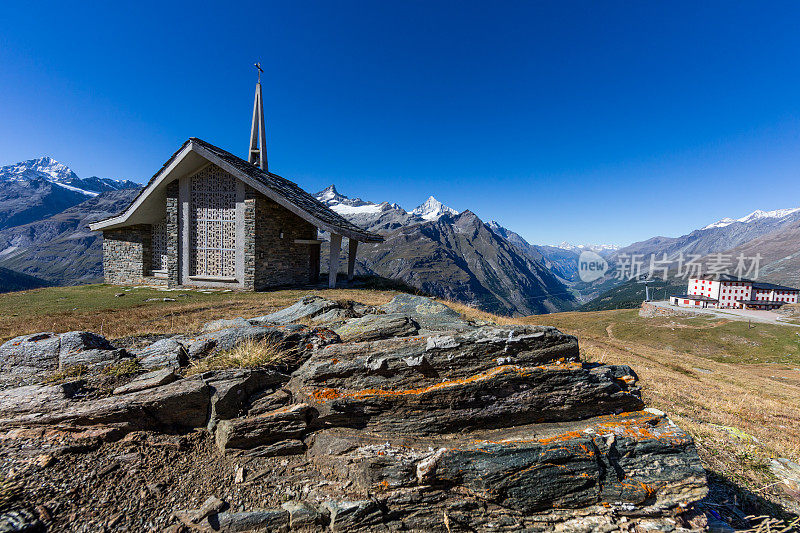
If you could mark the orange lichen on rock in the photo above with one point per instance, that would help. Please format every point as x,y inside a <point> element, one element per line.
<point>325,394</point>
<point>561,438</point>
<point>443,385</point>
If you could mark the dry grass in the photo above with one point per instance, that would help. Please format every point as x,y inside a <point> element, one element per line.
<point>262,353</point>
<point>95,308</point>
<point>128,367</point>
<point>470,313</point>
<point>767,524</point>
<point>740,415</point>
<point>68,374</point>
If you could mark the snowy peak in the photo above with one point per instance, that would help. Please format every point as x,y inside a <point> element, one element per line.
<point>495,226</point>
<point>777,213</point>
<point>758,214</point>
<point>592,247</point>
<point>720,223</point>
<point>331,197</point>
<point>353,207</point>
<point>49,166</point>
<point>433,209</point>
<point>48,169</point>
<point>43,167</point>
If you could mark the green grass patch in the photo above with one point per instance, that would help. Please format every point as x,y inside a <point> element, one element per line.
<point>99,297</point>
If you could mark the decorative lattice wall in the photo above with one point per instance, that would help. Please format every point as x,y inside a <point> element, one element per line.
<point>159,246</point>
<point>213,223</point>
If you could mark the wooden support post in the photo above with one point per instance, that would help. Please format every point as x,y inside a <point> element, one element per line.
<point>351,260</point>
<point>333,264</point>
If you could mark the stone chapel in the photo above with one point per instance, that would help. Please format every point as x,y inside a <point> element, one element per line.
<point>210,219</point>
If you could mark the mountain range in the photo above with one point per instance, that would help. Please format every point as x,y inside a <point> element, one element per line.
<point>38,188</point>
<point>452,255</point>
<point>773,235</point>
<point>60,249</point>
<point>45,208</point>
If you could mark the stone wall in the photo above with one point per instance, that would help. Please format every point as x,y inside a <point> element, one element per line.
<point>127,254</point>
<point>272,261</point>
<point>173,245</point>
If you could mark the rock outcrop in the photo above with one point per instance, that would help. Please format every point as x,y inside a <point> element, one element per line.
<point>30,354</point>
<point>402,418</point>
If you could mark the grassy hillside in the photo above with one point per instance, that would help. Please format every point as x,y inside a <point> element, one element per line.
<point>17,281</point>
<point>138,311</point>
<point>630,295</point>
<point>735,388</point>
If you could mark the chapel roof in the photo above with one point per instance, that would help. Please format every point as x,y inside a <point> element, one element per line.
<point>280,189</point>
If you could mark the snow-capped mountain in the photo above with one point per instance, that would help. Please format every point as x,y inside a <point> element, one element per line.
<point>48,169</point>
<point>367,212</point>
<point>592,247</point>
<point>331,197</point>
<point>451,255</point>
<point>39,188</point>
<point>758,214</point>
<point>433,209</point>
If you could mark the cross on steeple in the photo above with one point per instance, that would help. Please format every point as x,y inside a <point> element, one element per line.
<point>258,137</point>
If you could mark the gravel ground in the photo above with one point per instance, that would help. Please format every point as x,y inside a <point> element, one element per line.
<point>135,484</point>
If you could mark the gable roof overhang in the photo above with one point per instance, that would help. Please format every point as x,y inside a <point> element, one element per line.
<point>193,155</point>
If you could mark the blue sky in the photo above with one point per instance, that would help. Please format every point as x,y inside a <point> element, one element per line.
<point>581,121</point>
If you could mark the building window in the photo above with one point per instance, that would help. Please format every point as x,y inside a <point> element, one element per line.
<point>213,223</point>
<point>159,246</point>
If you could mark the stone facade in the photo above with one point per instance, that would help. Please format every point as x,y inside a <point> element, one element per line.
<point>173,244</point>
<point>126,254</point>
<point>272,258</point>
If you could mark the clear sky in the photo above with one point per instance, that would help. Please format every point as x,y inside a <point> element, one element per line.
<point>595,121</point>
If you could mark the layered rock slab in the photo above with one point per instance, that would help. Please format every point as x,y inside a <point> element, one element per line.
<point>505,396</point>
<point>634,463</point>
<point>29,354</point>
<point>493,427</point>
<point>408,362</point>
<point>486,377</point>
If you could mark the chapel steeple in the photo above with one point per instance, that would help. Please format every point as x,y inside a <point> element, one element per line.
<point>258,137</point>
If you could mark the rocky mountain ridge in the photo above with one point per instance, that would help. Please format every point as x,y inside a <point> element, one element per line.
<point>399,417</point>
<point>60,174</point>
<point>769,233</point>
<point>758,214</point>
<point>60,249</point>
<point>39,188</point>
<point>454,256</point>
